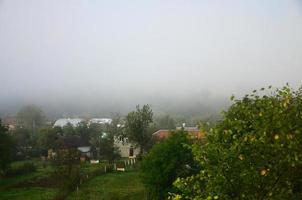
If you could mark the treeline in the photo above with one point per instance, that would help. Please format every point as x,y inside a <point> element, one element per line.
<point>33,136</point>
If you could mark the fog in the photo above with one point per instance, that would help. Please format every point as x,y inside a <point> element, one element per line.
<point>96,57</point>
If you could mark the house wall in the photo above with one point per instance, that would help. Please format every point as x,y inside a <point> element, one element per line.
<point>124,148</point>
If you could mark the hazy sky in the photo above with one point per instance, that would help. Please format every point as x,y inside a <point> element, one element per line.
<point>93,51</point>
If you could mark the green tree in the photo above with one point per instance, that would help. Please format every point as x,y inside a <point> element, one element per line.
<point>68,130</point>
<point>253,153</point>
<point>107,149</point>
<point>22,137</point>
<point>95,133</point>
<point>137,124</point>
<point>66,170</point>
<point>165,162</point>
<point>102,137</point>
<point>6,149</point>
<point>83,131</point>
<point>30,117</point>
<point>47,138</point>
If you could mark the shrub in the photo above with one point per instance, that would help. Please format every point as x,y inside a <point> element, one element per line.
<point>22,168</point>
<point>165,162</point>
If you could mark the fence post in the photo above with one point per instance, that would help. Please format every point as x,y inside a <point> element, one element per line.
<point>105,168</point>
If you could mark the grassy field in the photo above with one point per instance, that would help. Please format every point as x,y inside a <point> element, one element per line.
<point>30,193</point>
<point>15,188</point>
<point>37,186</point>
<point>112,186</point>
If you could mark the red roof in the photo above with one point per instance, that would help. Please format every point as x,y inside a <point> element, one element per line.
<point>192,133</point>
<point>161,134</point>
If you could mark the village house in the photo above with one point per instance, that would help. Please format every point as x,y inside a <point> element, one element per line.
<point>10,122</point>
<point>127,149</point>
<point>193,133</point>
<point>73,142</point>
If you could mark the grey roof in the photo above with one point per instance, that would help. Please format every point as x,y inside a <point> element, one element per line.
<point>100,121</point>
<point>84,149</point>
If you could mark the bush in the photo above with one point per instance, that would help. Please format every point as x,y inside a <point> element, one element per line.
<point>22,168</point>
<point>165,162</point>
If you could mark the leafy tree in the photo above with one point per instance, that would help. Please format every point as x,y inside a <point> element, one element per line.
<point>114,130</point>
<point>107,149</point>
<point>95,133</point>
<point>83,131</point>
<point>22,137</point>
<point>137,124</point>
<point>255,152</point>
<point>6,149</point>
<point>30,117</point>
<point>47,138</point>
<point>68,130</point>
<point>165,162</point>
<point>102,137</point>
<point>116,127</point>
<point>67,169</point>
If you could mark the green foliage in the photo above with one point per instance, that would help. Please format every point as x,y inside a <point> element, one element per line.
<point>30,117</point>
<point>67,168</point>
<point>102,138</point>
<point>137,124</point>
<point>83,131</point>
<point>23,168</point>
<point>253,153</point>
<point>107,149</point>
<point>165,162</point>
<point>47,138</point>
<point>68,130</point>
<point>6,149</point>
<point>22,137</point>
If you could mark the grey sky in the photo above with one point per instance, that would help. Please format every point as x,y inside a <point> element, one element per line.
<point>56,50</point>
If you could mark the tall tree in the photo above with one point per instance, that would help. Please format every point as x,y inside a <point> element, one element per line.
<point>22,137</point>
<point>47,138</point>
<point>82,130</point>
<point>30,117</point>
<point>6,149</point>
<point>68,130</point>
<point>137,124</point>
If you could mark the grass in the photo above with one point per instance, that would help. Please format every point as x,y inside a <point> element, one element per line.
<point>10,181</point>
<point>9,189</point>
<point>32,193</point>
<point>112,186</point>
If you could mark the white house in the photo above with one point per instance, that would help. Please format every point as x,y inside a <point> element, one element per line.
<point>127,150</point>
<point>64,121</point>
<point>100,121</point>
